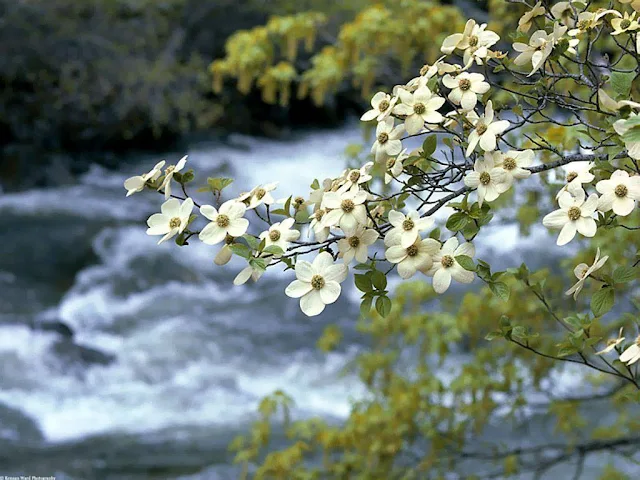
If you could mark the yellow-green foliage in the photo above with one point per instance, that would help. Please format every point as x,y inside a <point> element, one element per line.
<point>383,38</point>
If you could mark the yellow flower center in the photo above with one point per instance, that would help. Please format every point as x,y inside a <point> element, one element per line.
<point>175,222</point>
<point>509,163</point>
<point>223,221</point>
<point>464,84</point>
<point>447,261</point>
<point>260,193</point>
<point>347,206</point>
<point>383,138</point>
<point>583,24</point>
<point>408,225</point>
<point>419,108</point>
<point>319,214</point>
<point>412,250</point>
<point>354,176</point>
<point>624,24</point>
<point>485,178</point>
<point>354,242</point>
<point>574,213</point>
<point>572,176</point>
<point>274,235</point>
<point>481,128</point>
<point>169,169</point>
<point>317,282</point>
<point>383,106</point>
<point>473,41</point>
<point>621,191</point>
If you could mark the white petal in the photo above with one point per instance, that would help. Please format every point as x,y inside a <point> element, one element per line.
<point>330,292</point>
<point>311,304</point>
<point>567,233</point>
<point>297,289</point>
<point>212,234</point>
<point>304,271</point>
<point>441,280</point>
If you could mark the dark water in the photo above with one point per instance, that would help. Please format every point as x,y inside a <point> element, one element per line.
<point>194,354</point>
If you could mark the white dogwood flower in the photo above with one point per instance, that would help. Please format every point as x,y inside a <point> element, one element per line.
<point>626,24</point>
<point>486,130</point>
<point>489,180</point>
<point>382,104</point>
<point>317,284</point>
<point>577,174</point>
<point>524,24</point>
<point>445,266</point>
<point>514,163</point>
<point>357,245</point>
<point>259,195</point>
<point>474,42</point>
<point>575,215</point>
<point>623,127</point>
<point>589,20</point>
<point>387,139</point>
<point>406,228</point>
<point>539,48</point>
<point>619,193</point>
<point>320,232</point>
<point>137,183</point>
<point>168,176</point>
<point>632,354</point>
<point>416,256</point>
<point>395,166</point>
<point>419,108</point>
<point>582,272</point>
<point>356,177</point>
<point>465,88</point>
<point>228,221</point>
<point>612,343</point>
<point>563,11</point>
<point>280,234</point>
<point>347,210</point>
<point>173,219</point>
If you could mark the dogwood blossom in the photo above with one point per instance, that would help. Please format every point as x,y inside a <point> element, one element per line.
<point>387,139</point>
<point>626,24</point>
<point>137,183</point>
<point>486,130</point>
<point>419,108</point>
<point>524,24</point>
<point>356,177</point>
<point>347,209</point>
<point>619,193</point>
<point>575,215</point>
<point>563,11</point>
<point>316,226</point>
<point>169,172</point>
<point>259,195</point>
<point>474,42</point>
<point>382,105</point>
<point>173,219</point>
<point>624,128</point>
<point>465,88</point>
<point>317,284</point>
<point>514,163</point>
<point>395,166</point>
<point>406,228</point>
<point>612,343</point>
<point>225,253</point>
<point>416,256</point>
<point>539,48</point>
<point>445,266</point>
<point>280,234</point>
<point>357,245</point>
<point>228,221</point>
<point>632,354</point>
<point>489,180</point>
<point>582,272</point>
<point>635,4</point>
<point>589,20</point>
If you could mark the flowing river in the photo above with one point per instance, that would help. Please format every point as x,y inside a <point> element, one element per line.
<point>169,360</point>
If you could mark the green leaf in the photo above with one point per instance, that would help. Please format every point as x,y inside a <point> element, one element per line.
<point>252,241</point>
<point>187,177</point>
<point>621,83</point>
<point>466,262</point>
<point>632,135</point>
<point>379,279</point>
<point>273,250</point>
<point>501,290</point>
<point>218,184</point>
<point>241,250</point>
<point>435,234</point>
<point>363,282</point>
<point>457,221</point>
<point>493,335</point>
<point>567,350</point>
<point>383,305</point>
<point>602,301</point>
<point>429,145</point>
<point>365,306</point>
<point>258,263</point>
<point>624,274</point>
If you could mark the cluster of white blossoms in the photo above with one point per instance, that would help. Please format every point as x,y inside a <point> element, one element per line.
<point>345,220</point>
